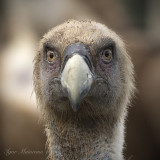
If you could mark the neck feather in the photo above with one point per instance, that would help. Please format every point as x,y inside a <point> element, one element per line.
<point>76,139</point>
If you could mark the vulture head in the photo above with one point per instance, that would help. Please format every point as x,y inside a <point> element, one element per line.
<point>83,80</point>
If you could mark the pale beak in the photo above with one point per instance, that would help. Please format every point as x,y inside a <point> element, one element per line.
<point>76,79</point>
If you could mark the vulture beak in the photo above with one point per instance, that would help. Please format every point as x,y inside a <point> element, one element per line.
<point>76,76</point>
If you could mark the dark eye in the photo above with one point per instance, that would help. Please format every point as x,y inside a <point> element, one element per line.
<point>51,56</point>
<point>107,55</point>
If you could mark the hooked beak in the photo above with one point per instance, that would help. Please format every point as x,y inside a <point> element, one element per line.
<point>76,79</point>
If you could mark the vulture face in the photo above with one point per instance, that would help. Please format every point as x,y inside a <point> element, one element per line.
<point>82,66</point>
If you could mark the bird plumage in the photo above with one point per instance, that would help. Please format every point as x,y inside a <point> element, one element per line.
<point>96,129</point>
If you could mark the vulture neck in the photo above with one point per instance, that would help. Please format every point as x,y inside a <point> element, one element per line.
<point>92,139</point>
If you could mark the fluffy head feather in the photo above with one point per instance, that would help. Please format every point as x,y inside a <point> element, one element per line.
<point>104,107</point>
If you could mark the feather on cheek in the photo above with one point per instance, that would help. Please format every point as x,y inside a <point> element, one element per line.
<point>50,70</point>
<point>105,68</point>
<point>53,68</point>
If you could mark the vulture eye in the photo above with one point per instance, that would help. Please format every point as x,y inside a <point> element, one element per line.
<point>51,56</point>
<point>107,55</point>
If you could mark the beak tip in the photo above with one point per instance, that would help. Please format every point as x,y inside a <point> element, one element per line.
<point>75,107</point>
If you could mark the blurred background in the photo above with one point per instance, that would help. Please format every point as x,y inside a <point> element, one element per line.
<point>22,25</point>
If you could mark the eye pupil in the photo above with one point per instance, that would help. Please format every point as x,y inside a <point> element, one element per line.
<point>51,55</point>
<point>106,53</point>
